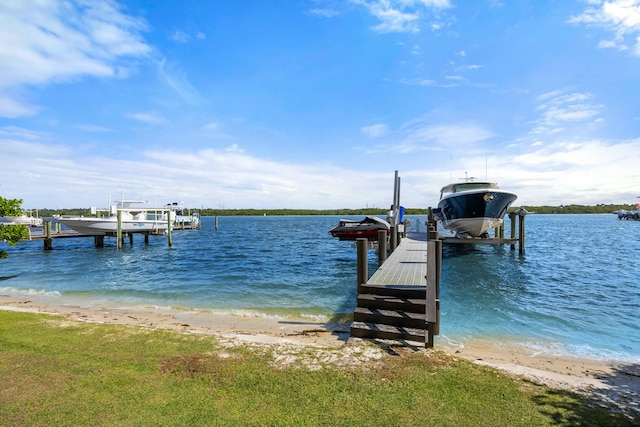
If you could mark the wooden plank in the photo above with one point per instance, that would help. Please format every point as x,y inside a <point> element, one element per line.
<point>374,330</point>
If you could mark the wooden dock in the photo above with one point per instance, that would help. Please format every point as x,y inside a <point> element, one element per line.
<point>400,301</point>
<point>48,233</point>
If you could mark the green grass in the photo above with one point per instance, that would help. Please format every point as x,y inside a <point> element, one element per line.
<point>57,372</point>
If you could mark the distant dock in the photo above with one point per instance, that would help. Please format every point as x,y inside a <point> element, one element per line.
<point>52,230</point>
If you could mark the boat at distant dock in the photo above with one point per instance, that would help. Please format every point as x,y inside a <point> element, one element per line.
<point>471,208</point>
<point>181,217</point>
<point>27,219</point>
<point>132,220</point>
<point>365,228</point>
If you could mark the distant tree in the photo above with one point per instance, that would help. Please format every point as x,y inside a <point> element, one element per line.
<point>12,234</point>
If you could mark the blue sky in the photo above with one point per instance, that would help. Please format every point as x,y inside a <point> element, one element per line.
<point>315,103</point>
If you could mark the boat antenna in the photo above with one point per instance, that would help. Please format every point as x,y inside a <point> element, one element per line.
<point>486,168</point>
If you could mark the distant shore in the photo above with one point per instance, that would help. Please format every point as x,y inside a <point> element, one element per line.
<point>562,209</point>
<point>604,380</point>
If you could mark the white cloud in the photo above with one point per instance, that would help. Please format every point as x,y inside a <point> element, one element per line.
<point>401,15</point>
<point>375,131</point>
<point>205,177</point>
<point>324,12</point>
<point>418,136</point>
<point>179,82</point>
<point>44,42</point>
<point>180,36</point>
<point>620,17</point>
<point>558,109</point>
<point>150,118</point>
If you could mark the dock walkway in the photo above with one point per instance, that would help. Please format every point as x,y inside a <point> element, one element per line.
<point>406,266</point>
<point>400,300</point>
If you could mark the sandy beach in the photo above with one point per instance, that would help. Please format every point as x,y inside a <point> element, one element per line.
<point>615,385</point>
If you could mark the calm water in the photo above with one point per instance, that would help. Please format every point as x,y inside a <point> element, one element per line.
<point>576,291</point>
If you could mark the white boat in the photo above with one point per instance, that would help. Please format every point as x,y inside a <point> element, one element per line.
<point>133,220</point>
<point>181,218</point>
<point>29,221</point>
<point>26,219</point>
<point>471,208</point>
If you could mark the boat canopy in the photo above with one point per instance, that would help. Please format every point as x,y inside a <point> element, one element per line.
<point>466,186</point>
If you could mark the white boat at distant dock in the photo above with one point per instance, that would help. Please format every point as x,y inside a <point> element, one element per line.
<point>27,219</point>
<point>132,220</point>
<point>181,217</point>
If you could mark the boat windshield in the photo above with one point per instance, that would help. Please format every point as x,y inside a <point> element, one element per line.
<point>471,186</point>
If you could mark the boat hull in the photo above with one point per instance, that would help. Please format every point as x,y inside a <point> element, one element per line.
<point>474,213</point>
<point>104,227</point>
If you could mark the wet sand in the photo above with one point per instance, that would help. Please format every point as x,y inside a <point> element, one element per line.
<point>614,384</point>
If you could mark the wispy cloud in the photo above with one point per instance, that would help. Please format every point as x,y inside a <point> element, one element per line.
<point>178,81</point>
<point>149,118</point>
<point>375,131</point>
<point>181,36</point>
<point>324,12</point>
<point>93,128</point>
<point>558,109</point>
<point>400,16</point>
<point>419,136</point>
<point>60,41</point>
<point>620,17</point>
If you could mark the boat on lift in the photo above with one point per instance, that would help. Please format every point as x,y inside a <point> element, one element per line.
<point>471,208</point>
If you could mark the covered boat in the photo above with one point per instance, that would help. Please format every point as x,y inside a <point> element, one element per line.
<point>471,208</point>
<point>365,228</point>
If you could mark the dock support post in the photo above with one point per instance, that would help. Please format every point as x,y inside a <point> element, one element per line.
<point>169,239</point>
<point>216,222</point>
<point>146,238</point>
<point>98,241</point>
<point>432,302</point>
<point>48,241</point>
<point>393,236</point>
<point>362,247</point>
<point>521,233</point>
<point>438,247</point>
<point>382,247</point>
<point>119,231</point>
<point>131,239</point>
<point>512,220</point>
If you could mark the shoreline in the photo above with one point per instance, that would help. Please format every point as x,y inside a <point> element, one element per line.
<point>614,384</point>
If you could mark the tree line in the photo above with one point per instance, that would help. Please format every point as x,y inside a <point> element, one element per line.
<point>562,209</point>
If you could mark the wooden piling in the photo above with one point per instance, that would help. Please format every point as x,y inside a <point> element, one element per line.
<point>362,248</point>
<point>48,241</point>
<point>521,234</point>
<point>393,237</point>
<point>382,247</point>
<point>119,230</point>
<point>169,239</point>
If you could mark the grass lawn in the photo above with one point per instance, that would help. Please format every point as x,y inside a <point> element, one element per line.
<point>57,372</point>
